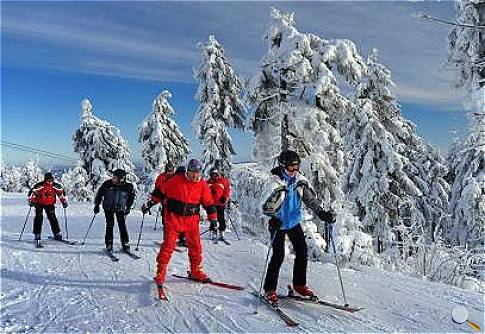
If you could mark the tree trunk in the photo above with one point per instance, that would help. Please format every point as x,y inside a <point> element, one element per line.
<point>481,40</point>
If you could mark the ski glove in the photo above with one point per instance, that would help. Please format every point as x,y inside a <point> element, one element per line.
<point>146,207</point>
<point>127,212</point>
<point>223,200</point>
<point>214,224</point>
<point>65,205</point>
<point>274,225</point>
<point>326,216</point>
<point>96,209</point>
<point>31,203</point>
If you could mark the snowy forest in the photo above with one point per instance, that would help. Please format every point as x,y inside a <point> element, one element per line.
<point>401,205</point>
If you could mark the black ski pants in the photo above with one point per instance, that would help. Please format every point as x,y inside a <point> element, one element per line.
<point>110,222</point>
<point>221,218</point>
<point>50,211</point>
<point>297,238</point>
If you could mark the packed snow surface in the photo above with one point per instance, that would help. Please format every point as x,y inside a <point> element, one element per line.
<point>70,289</point>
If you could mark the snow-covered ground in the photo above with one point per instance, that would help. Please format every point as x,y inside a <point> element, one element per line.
<point>62,288</point>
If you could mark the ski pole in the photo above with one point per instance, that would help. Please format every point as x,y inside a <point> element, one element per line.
<point>65,224</point>
<point>205,231</point>
<point>156,220</point>
<point>89,227</point>
<point>139,233</point>
<point>272,239</point>
<point>336,263</point>
<point>25,223</point>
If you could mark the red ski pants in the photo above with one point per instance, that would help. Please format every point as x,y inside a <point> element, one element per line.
<point>170,236</point>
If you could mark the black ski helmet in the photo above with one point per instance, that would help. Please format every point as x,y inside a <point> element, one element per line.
<point>169,167</point>
<point>288,157</point>
<point>120,174</point>
<point>214,171</point>
<point>180,170</point>
<point>48,176</point>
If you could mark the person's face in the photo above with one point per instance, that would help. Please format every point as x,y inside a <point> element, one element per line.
<point>292,169</point>
<point>214,176</point>
<point>50,181</point>
<point>115,179</point>
<point>194,176</point>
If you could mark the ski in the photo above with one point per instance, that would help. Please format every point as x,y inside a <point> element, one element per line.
<point>321,302</point>
<point>211,282</point>
<point>224,241</point>
<point>69,242</point>
<point>111,256</point>
<point>276,309</point>
<point>315,300</point>
<point>130,254</point>
<point>38,244</point>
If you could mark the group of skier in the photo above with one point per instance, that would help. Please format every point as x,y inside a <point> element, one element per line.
<point>181,192</point>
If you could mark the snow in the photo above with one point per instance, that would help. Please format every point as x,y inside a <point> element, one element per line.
<point>62,288</point>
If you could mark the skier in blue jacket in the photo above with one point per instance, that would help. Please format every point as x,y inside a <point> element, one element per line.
<point>282,203</point>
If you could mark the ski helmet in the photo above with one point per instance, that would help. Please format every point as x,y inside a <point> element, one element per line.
<point>120,174</point>
<point>169,167</point>
<point>288,157</point>
<point>214,171</point>
<point>48,176</point>
<point>194,165</point>
<point>180,170</point>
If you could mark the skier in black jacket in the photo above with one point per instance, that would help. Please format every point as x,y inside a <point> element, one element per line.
<point>118,196</point>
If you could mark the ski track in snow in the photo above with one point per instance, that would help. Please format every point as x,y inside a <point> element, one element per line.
<point>77,289</point>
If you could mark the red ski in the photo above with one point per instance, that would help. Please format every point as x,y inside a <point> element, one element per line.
<point>211,282</point>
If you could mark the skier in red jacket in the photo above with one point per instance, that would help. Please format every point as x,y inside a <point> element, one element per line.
<point>182,196</point>
<point>221,191</point>
<point>43,196</point>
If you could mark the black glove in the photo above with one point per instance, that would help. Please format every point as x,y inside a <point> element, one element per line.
<point>65,205</point>
<point>223,200</point>
<point>127,212</point>
<point>214,224</point>
<point>31,203</point>
<point>326,216</point>
<point>274,225</point>
<point>145,208</point>
<point>96,209</point>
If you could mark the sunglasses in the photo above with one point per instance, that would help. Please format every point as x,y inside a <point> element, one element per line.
<point>292,167</point>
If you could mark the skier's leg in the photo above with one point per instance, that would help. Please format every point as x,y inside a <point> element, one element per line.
<point>39,216</point>
<point>221,218</point>
<point>165,253</point>
<point>120,217</point>
<point>273,272</point>
<point>195,249</point>
<point>51,216</point>
<point>297,238</point>
<point>110,222</point>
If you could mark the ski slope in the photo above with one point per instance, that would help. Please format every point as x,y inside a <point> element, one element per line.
<point>78,289</point>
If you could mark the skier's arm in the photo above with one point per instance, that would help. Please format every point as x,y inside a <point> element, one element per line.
<point>131,196</point>
<point>208,203</point>
<point>33,192</point>
<point>100,194</point>
<point>310,199</point>
<point>61,194</point>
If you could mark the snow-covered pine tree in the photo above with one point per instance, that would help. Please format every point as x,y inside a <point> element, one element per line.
<point>467,55</point>
<point>161,139</point>
<point>298,105</point>
<point>101,148</point>
<point>76,184</point>
<point>31,174</point>
<point>220,106</point>
<point>11,178</point>
<point>392,162</point>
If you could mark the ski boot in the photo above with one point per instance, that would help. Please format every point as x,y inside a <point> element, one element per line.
<point>272,297</point>
<point>304,291</point>
<point>58,236</point>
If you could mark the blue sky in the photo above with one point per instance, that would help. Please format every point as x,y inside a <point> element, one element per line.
<point>122,54</point>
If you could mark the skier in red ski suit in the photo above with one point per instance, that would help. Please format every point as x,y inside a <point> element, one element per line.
<point>221,191</point>
<point>182,195</point>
